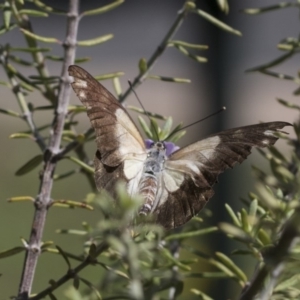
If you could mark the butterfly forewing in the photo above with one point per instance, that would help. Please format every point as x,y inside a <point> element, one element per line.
<point>198,166</point>
<point>121,149</point>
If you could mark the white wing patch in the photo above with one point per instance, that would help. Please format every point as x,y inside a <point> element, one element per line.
<point>79,83</point>
<point>269,133</point>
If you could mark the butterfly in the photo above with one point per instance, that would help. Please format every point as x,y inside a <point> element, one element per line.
<point>175,186</point>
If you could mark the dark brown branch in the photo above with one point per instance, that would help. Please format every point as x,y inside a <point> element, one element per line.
<point>44,197</point>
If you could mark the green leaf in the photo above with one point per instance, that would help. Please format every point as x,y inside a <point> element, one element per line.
<point>95,41</point>
<point>197,58</point>
<point>170,79</point>
<point>245,222</point>
<point>30,50</point>
<point>272,63</point>
<point>21,198</point>
<point>21,135</point>
<point>255,11</point>
<point>145,127</point>
<point>11,252</point>
<point>47,8</point>
<point>6,14</point>
<point>166,129</point>
<point>201,295</point>
<point>33,13</point>
<point>233,216</point>
<point>177,136</point>
<point>81,164</point>
<point>30,165</point>
<point>187,45</point>
<point>64,255</point>
<point>109,76</point>
<point>223,5</point>
<point>117,86</point>
<point>236,232</point>
<point>232,266</point>
<point>3,28</point>
<point>291,281</point>
<point>288,104</point>
<point>146,113</point>
<point>143,67</point>
<point>39,37</point>
<point>185,235</point>
<point>72,204</point>
<point>10,113</point>
<point>102,9</point>
<point>216,22</point>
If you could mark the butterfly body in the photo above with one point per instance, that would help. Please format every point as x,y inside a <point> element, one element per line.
<point>174,185</point>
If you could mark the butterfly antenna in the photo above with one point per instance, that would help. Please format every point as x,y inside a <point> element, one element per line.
<point>213,114</point>
<point>141,104</point>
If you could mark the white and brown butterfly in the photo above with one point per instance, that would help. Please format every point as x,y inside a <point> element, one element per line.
<point>174,187</point>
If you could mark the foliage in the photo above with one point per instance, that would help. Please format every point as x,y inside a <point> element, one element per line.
<point>141,261</point>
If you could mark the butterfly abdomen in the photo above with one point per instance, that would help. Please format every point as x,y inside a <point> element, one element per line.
<point>148,190</point>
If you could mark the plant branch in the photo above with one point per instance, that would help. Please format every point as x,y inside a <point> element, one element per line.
<point>71,273</point>
<point>274,262</point>
<point>43,199</point>
<point>26,113</point>
<point>159,51</point>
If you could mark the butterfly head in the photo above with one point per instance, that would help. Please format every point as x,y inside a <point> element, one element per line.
<point>169,147</point>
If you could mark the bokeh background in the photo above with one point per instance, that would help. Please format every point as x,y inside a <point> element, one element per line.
<point>138,28</point>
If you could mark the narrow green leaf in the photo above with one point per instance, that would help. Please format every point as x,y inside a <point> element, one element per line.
<point>201,295</point>
<point>170,79</point>
<point>81,164</point>
<point>21,198</point>
<point>187,45</point>
<point>288,104</point>
<point>30,165</point>
<point>291,281</point>
<point>90,285</point>
<point>109,76</point>
<point>72,204</point>
<point>236,232</point>
<point>176,262</point>
<point>71,231</point>
<point>216,22</point>
<point>40,38</point>
<point>47,8</point>
<point>95,41</point>
<point>30,50</point>
<point>185,235</point>
<point>6,14</point>
<point>145,127</point>
<point>154,128</point>
<point>92,251</point>
<point>11,252</point>
<point>102,9</point>
<point>64,255</point>
<point>272,63</point>
<point>10,113</point>
<point>264,237</point>
<point>232,266</point>
<point>143,66</point>
<point>3,28</point>
<point>33,13</point>
<point>245,222</point>
<point>21,135</point>
<point>277,154</point>
<point>76,282</point>
<point>147,113</point>
<point>253,211</point>
<point>166,129</point>
<point>64,175</point>
<point>117,86</point>
<point>255,11</point>
<point>224,6</point>
<point>233,216</point>
<point>177,136</point>
<point>197,58</point>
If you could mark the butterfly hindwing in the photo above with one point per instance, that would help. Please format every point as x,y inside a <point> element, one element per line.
<point>120,147</point>
<point>194,169</point>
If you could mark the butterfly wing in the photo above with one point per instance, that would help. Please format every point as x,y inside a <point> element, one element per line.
<point>191,172</point>
<point>120,147</point>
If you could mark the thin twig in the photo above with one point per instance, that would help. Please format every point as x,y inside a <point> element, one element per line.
<point>159,51</point>
<point>27,115</point>
<point>44,197</point>
<point>71,273</point>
